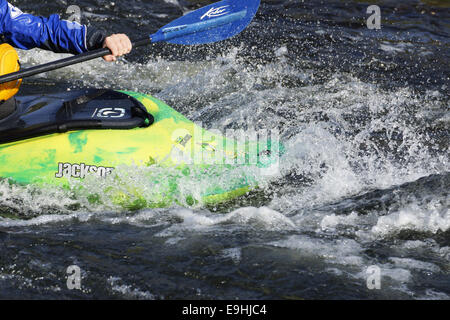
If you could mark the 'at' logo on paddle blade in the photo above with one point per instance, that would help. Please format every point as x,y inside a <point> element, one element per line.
<point>215,12</point>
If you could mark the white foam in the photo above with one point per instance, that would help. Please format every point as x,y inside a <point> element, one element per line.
<point>174,2</point>
<point>332,221</point>
<point>431,218</point>
<point>431,294</point>
<point>397,274</point>
<point>203,221</point>
<point>128,291</point>
<point>414,264</point>
<point>30,200</point>
<point>389,273</point>
<point>281,51</point>
<point>395,47</point>
<point>235,254</point>
<point>340,251</point>
<point>45,219</point>
<point>336,165</point>
<point>262,218</point>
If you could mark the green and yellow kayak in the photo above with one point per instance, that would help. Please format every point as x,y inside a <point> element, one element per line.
<point>97,135</point>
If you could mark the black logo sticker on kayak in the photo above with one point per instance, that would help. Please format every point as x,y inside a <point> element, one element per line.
<point>80,171</point>
<point>109,113</point>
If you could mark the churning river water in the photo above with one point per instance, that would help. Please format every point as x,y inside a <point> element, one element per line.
<point>363,187</point>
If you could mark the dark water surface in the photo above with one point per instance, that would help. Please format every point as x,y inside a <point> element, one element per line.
<point>364,115</point>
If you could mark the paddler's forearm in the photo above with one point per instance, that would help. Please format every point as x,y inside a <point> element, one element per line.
<point>26,31</point>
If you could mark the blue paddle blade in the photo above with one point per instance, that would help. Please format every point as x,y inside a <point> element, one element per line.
<point>215,22</point>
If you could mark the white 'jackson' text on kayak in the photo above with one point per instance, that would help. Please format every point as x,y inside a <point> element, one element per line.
<point>81,170</point>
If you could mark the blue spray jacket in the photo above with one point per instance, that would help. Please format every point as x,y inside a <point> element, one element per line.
<point>26,31</point>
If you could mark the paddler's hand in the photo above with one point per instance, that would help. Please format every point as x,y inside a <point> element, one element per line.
<point>119,44</point>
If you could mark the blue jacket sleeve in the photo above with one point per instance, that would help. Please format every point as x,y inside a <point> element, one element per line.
<point>26,31</point>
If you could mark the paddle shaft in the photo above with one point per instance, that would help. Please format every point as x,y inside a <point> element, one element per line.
<point>82,57</point>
